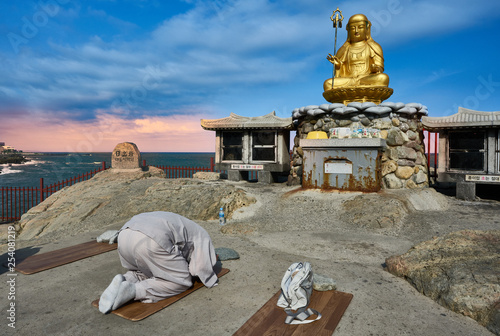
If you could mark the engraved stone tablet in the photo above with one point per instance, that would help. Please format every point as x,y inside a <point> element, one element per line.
<point>126,155</point>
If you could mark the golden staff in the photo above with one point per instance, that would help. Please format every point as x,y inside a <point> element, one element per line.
<point>337,19</point>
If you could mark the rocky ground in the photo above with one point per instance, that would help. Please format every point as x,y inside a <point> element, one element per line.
<point>346,236</point>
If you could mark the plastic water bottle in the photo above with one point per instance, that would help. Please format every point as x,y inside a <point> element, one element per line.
<point>222,218</point>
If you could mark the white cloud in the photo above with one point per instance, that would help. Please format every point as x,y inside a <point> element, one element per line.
<point>216,47</point>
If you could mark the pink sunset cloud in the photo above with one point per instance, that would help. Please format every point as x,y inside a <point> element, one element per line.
<point>180,133</point>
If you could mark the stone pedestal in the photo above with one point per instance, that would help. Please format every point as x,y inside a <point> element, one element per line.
<point>265,177</point>
<point>466,191</point>
<point>237,175</point>
<point>403,161</point>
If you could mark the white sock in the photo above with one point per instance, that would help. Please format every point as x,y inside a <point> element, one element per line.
<point>126,292</point>
<point>109,295</point>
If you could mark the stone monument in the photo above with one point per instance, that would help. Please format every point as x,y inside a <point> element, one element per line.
<point>126,155</point>
<point>356,109</point>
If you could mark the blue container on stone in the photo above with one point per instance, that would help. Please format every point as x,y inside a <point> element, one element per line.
<point>222,218</point>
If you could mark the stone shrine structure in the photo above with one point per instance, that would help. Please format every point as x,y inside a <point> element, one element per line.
<point>245,144</point>
<point>126,155</point>
<point>356,111</point>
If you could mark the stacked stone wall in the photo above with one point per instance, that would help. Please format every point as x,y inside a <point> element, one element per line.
<point>404,164</point>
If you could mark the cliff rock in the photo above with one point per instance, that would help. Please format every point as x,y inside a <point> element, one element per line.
<point>461,271</point>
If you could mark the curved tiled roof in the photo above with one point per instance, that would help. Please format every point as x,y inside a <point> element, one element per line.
<point>464,118</point>
<point>234,121</point>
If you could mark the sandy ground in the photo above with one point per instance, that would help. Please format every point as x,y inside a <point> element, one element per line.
<point>283,227</point>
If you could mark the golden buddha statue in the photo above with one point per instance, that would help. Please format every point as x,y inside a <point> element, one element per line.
<point>359,66</point>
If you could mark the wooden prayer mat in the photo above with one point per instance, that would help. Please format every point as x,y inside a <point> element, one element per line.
<point>44,261</point>
<point>270,319</point>
<point>136,310</point>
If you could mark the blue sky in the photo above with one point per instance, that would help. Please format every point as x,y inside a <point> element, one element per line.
<point>85,75</point>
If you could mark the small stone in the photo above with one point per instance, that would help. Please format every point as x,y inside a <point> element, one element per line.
<point>225,253</point>
<point>296,141</point>
<point>382,123</point>
<point>392,182</point>
<point>406,163</point>
<point>389,167</point>
<point>319,124</point>
<point>392,152</point>
<point>406,153</point>
<point>395,137</point>
<point>306,128</point>
<point>383,134</point>
<point>421,159</point>
<point>322,283</point>
<point>404,127</point>
<point>411,134</point>
<point>365,121</point>
<point>395,121</point>
<point>420,177</point>
<point>412,124</point>
<point>344,123</point>
<point>208,176</point>
<point>404,173</point>
<point>411,185</point>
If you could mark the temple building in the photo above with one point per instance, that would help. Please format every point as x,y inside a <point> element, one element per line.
<point>245,144</point>
<point>469,149</point>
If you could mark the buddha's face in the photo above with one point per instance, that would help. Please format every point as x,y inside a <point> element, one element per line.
<point>357,31</point>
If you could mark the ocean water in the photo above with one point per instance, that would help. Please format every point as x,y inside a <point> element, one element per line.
<point>55,167</point>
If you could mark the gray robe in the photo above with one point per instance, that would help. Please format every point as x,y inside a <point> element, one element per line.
<point>180,246</point>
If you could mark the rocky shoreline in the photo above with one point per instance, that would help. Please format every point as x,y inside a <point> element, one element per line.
<point>12,158</point>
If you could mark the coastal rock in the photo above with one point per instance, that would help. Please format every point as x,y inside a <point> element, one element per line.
<point>459,271</point>
<point>12,158</point>
<point>112,197</point>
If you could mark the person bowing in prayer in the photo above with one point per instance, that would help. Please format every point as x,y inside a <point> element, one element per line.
<point>162,252</point>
